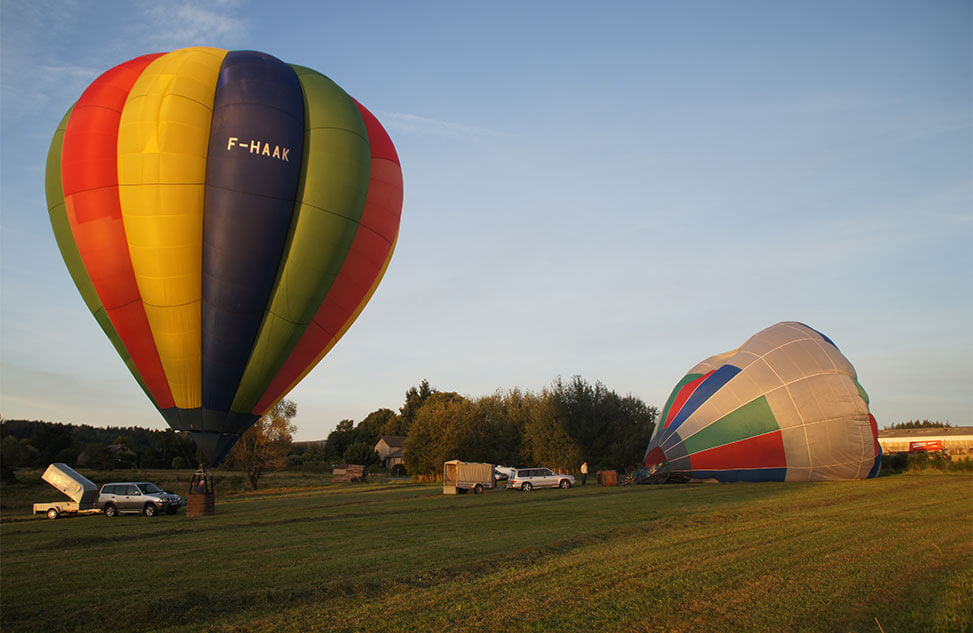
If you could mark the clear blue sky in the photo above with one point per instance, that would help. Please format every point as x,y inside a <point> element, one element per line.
<point>616,190</point>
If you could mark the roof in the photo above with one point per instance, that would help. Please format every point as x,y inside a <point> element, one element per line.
<point>393,441</point>
<point>954,432</point>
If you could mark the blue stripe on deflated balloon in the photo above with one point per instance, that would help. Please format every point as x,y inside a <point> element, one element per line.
<point>876,465</point>
<point>252,173</point>
<point>747,474</point>
<point>822,335</point>
<point>703,392</point>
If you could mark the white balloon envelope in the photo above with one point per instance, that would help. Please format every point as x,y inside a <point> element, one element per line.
<point>786,406</point>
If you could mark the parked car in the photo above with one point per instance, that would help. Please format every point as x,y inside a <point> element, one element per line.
<point>527,479</point>
<point>134,497</point>
<point>502,473</point>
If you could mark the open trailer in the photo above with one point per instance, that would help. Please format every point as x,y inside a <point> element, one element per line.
<point>82,491</point>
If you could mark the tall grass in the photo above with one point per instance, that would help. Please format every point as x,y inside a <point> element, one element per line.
<point>841,556</point>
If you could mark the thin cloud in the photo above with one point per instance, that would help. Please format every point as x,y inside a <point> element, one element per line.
<point>26,93</point>
<point>422,126</point>
<point>190,23</point>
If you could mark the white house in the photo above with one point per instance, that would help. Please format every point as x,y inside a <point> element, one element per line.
<point>389,448</point>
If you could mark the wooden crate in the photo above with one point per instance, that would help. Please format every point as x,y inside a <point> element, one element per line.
<point>353,472</point>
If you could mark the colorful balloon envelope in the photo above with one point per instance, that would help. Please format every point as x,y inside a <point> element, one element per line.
<point>226,217</point>
<point>786,406</point>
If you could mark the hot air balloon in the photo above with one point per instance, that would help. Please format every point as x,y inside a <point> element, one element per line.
<point>786,406</point>
<point>226,217</point>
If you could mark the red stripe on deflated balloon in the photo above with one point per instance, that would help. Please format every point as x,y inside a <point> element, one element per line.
<point>89,170</point>
<point>683,396</point>
<point>874,424</point>
<point>762,451</point>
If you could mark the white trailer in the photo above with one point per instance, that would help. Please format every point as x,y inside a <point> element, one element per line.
<point>82,491</point>
<point>459,477</point>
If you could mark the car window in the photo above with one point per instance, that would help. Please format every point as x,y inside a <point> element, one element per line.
<point>149,489</point>
<point>545,472</point>
<point>108,490</point>
<point>132,490</point>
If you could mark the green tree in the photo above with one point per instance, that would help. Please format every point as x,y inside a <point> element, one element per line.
<point>362,454</point>
<point>415,397</point>
<point>490,429</point>
<point>546,440</point>
<point>916,424</point>
<point>369,429</point>
<point>449,426</point>
<point>96,455</point>
<point>264,446</point>
<point>15,454</point>
<point>313,453</point>
<point>340,439</point>
<point>430,434</point>
<point>51,439</point>
<point>606,429</point>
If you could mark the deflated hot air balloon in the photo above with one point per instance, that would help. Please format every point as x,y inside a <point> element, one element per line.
<point>226,217</point>
<point>786,406</point>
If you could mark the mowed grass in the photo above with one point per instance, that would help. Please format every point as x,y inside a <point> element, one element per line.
<point>891,554</point>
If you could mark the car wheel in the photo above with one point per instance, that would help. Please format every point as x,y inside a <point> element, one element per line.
<point>53,513</point>
<point>149,510</point>
<point>478,489</point>
<point>526,487</point>
<point>565,484</point>
<point>111,510</point>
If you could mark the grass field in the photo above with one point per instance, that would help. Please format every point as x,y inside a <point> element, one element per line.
<point>890,554</point>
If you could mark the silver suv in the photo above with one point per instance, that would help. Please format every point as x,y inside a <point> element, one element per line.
<point>133,497</point>
<point>527,479</point>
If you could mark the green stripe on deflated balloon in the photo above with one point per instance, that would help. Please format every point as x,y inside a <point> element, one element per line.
<point>861,391</point>
<point>331,197</point>
<point>752,419</point>
<point>688,378</point>
<point>69,250</point>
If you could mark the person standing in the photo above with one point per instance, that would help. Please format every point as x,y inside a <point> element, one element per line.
<point>584,474</point>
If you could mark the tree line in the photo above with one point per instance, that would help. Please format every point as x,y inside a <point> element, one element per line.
<point>916,424</point>
<point>564,425</point>
<point>35,444</point>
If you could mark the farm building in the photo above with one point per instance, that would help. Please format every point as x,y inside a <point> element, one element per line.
<point>957,441</point>
<point>389,448</point>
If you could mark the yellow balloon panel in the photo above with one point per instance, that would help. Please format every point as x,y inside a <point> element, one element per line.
<point>162,145</point>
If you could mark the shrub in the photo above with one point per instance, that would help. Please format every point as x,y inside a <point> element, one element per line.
<point>914,462</point>
<point>316,466</point>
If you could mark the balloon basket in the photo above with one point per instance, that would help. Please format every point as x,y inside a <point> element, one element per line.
<point>201,500</point>
<point>200,504</point>
<point>607,478</point>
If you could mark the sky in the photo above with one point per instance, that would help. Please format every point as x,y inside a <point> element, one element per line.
<point>612,190</point>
